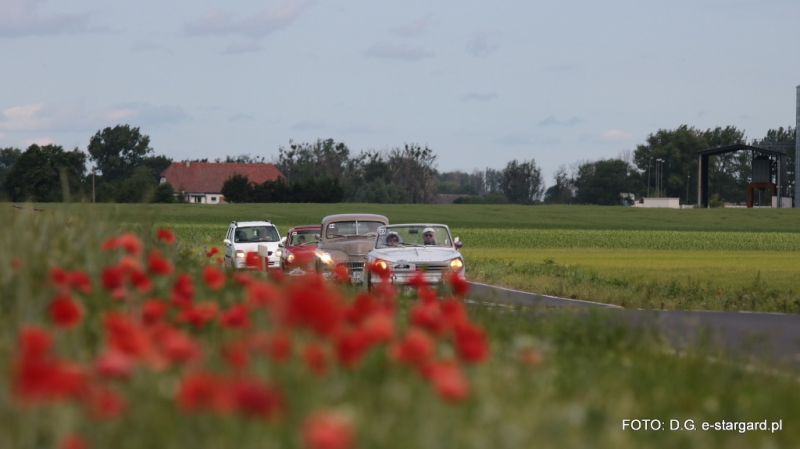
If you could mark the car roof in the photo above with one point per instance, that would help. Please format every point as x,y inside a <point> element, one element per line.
<point>418,225</point>
<point>355,217</point>
<point>304,227</point>
<point>239,224</point>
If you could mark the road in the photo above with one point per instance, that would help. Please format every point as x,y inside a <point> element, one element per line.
<point>773,338</point>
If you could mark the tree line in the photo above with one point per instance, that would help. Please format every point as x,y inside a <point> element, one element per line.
<point>126,169</point>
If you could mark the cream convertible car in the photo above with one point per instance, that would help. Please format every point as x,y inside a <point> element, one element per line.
<point>405,249</point>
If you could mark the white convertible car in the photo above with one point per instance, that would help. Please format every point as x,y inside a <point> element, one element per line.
<point>405,249</point>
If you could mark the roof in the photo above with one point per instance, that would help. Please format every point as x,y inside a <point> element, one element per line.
<point>355,217</point>
<point>208,177</point>
<point>301,227</point>
<point>738,147</point>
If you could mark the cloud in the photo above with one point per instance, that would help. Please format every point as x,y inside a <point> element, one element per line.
<point>74,117</point>
<point>2,136</point>
<point>615,136</point>
<point>308,125</point>
<point>480,45</point>
<point>41,141</point>
<point>145,46</point>
<point>242,47</point>
<point>475,96</point>
<point>401,52</point>
<point>275,17</point>
<point>563,67</point>
<point>21,18</point>
<point>568,123</point>
<point>414,28</point>
<point>146,114</point>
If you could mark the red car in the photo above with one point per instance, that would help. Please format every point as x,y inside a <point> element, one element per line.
<point>297,253</point>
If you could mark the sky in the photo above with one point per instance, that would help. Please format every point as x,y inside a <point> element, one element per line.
<point>480,83</point>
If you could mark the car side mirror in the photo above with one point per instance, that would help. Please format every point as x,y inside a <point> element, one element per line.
<point>316,236</point>
<point>226,241</point>
<point>281,245</point>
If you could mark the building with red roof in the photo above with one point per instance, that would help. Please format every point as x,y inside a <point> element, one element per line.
<point>201,182</point>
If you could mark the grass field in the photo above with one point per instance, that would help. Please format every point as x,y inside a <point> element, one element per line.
<point>553,379</point>
<point>707,259</point>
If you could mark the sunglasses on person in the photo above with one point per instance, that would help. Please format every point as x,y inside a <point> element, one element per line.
<point>428,234</point>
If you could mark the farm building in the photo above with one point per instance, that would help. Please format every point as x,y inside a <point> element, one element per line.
<point>201,182</point>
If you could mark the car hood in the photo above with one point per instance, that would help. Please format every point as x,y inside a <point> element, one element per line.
<point>253,247</point>
<point>353,247</point>
<point>416,254</point>
<point>300,249</point>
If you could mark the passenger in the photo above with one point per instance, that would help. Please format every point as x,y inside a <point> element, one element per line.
<point>392,239</point>
<point>428,237</point>
<point>301,240</point>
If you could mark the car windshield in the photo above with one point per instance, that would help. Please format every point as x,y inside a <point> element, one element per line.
<point>250,234</point>
<point>351,228</point>
<point>303,237</point>
<point>413,235</point>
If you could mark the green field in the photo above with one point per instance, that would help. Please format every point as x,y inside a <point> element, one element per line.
<point>706,259</point>
<point>590,375</point>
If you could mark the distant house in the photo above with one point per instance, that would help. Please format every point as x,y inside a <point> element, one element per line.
<point>201,182</point>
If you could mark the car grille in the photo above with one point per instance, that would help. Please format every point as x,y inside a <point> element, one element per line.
<point>351,266</point>
<point>432,267</point>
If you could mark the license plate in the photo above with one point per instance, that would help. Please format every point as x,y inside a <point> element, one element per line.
<point>356,277</point>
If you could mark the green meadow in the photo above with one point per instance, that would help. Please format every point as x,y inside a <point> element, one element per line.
<point>589,374</point>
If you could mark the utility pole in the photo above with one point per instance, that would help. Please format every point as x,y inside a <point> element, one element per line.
<point>93,186</point>
<point>649,163</point>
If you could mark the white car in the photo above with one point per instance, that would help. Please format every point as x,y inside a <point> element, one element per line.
<point>260,237</point>
<point>405,249</point>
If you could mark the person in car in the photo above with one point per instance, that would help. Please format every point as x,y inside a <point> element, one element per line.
<point>301,240</point>
<point>428,237</point>
<point>392,239</point>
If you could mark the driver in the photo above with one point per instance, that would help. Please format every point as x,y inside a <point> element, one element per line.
<point>301,240</point>
<point>392,239</point>
<point>428,237</point>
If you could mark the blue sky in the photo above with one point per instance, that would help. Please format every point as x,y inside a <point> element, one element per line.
<point>481,83</point>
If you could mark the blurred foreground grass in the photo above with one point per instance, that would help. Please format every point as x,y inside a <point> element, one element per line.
<point>584,374</point>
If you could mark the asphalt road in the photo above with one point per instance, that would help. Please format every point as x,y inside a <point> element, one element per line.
<point>771,338</point>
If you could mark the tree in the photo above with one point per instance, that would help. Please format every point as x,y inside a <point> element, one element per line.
<point>46,174</point>
<point>164,193</point>
<point>562,191</point>
<point>412,169</point>
<point>139,187</point>
<point>782,139</point>
<point>601,182</point>
<point>8,157</point>
<point>522,182</point>
<point>118,151</point>
<point>237,189</point>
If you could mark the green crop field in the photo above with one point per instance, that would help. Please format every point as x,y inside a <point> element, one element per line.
<point>550,378</point>
<point>708,259</point>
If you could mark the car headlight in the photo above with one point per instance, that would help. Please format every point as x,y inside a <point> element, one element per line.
<point>240,254</point>
<point>381,265</point>
<point>324,257</point>
<point>278,253</point>
<point>456,265</point>
<point>290,258</point>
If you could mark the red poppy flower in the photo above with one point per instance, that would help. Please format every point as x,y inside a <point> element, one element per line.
<point>236,317</point>
<point>280,347</point>
<point>256,399</point>
<point>80,281</point>
<point>58,276</point>
<point>251,260</point>
<point>112,278</point>
<point>153,310</point>
<point>340,274</point>
<point>214,250</point>
<point>458,283</point>
<point>199,391</point>
<point>262,294</point>
<point>140,281</point>
<point>236,355</point>
<point>470,342</point>
<point>416,348</point>
<point>243,279</point>
<point>314,358</point>
<point>165,235</point>
<point>530,357</point>
<point>157,264</point>
<point>214,278</point>
<point>34,342</point>
<point>351,346</point>
<point>198,315</point>
<point>178,346</point>
<point>379,327</point>
<point>130,243</point>
<point>182,291</point>
<point>73,441</point>
<point>64,311</point>
<point>105,403</point>
<point>454,312</point>
<point>327,430</point>
<point>16,263</point>
<point>427,316</point>
<point>125,335</point>
<point>312,306</point>
<point>114,365</point>
<point>379,269</point>
<point>448,381</point>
